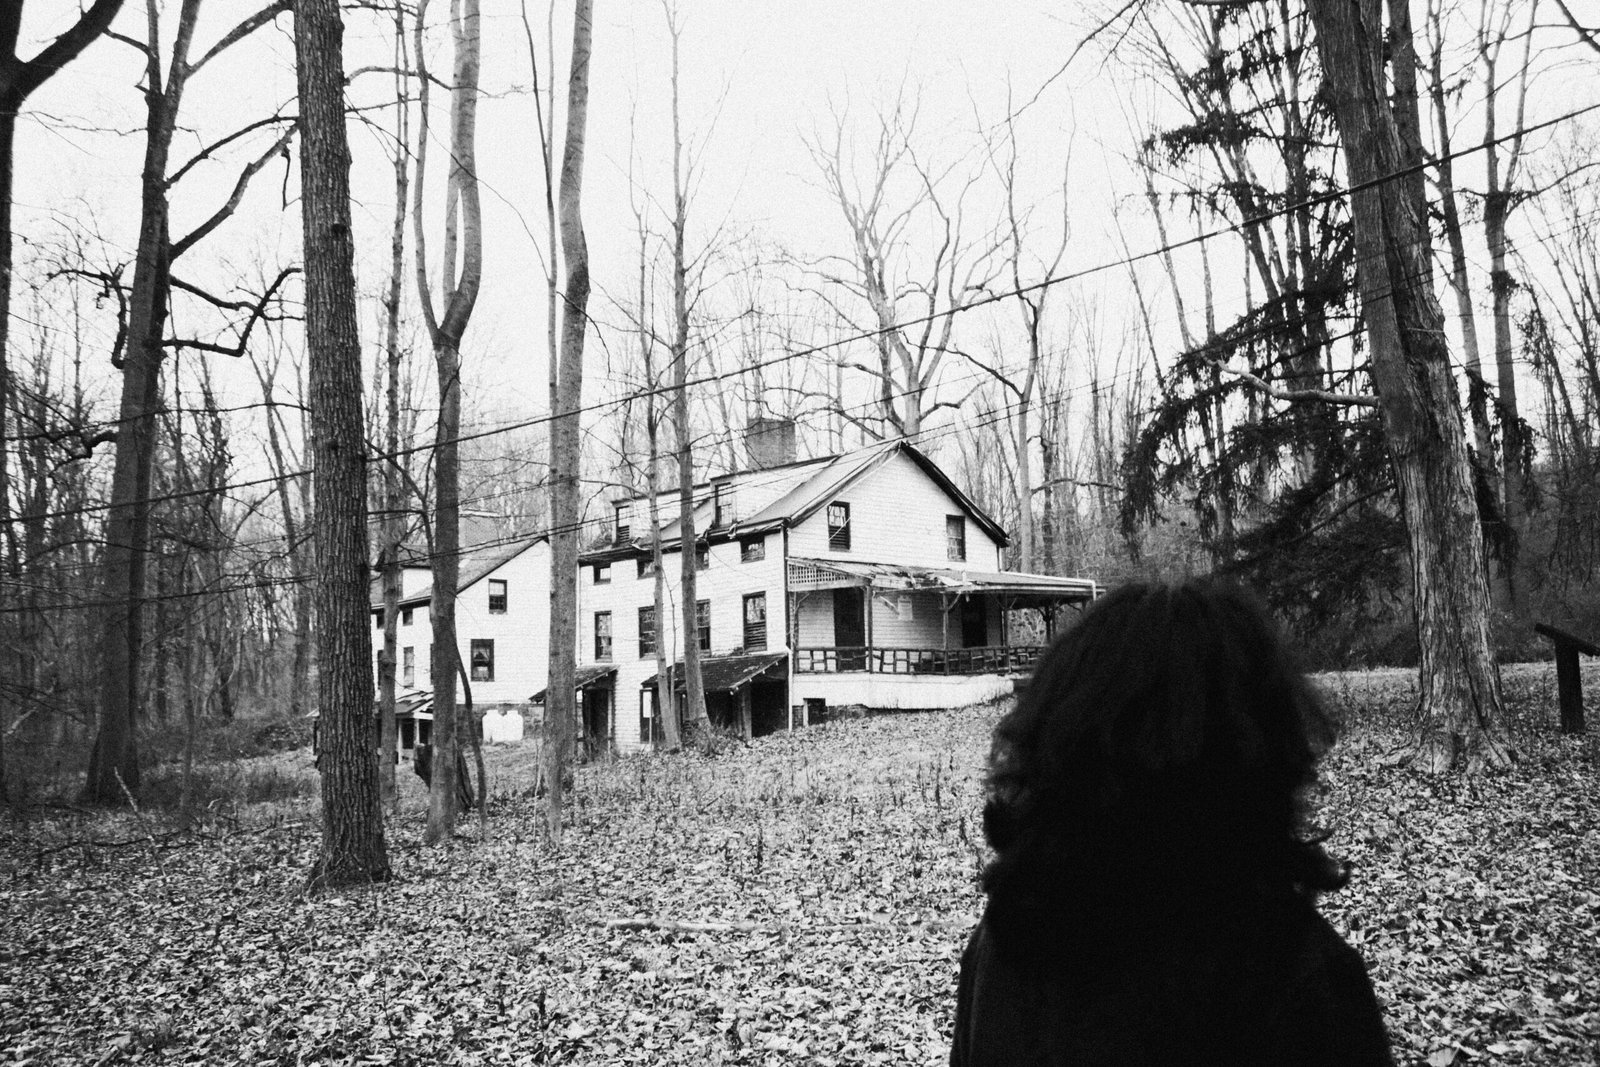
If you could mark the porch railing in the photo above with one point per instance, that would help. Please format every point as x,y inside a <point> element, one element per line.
<point>994,659</point>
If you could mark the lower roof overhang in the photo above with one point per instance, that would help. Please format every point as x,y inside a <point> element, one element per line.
<point>729,674</point>
<point>588,676</point>
<point>1016,588</point>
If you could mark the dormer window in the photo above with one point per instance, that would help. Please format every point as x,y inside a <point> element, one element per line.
<point>620,521</point>
<point>839,526</point>
<point>723,512</point>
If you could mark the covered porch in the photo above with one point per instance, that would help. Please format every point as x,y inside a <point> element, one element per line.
<point>848,617</point>
<point>745,694</point>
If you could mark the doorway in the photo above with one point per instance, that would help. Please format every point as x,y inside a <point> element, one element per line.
<point>850,628</point>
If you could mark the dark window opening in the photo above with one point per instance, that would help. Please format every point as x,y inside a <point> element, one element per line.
<point>647,631</point>
<point>620,522</point>
<point>955,536</point>
<point>755,622</point>
<point>839,526</point>
<point>405,616</point>
<point>702,557</point>
<point>646,566</point>
<point>497,596</point>
<point>752,549</point>
<point>482,658</point>
<point>602,573</point>
<point>702,624</point>
<point>602,635</point>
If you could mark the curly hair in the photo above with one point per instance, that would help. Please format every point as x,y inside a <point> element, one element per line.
<point>1157,762</point>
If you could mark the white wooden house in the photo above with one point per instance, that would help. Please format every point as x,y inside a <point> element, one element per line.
<point>502,633</point>
<point>864,579</point>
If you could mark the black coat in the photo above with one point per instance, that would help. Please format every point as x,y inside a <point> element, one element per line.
<point>1262,985</point>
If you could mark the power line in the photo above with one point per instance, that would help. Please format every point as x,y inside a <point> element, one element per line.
<point>867,335</point>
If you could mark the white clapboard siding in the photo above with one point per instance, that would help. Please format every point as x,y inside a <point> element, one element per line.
<point>724,583</point>
<point>521,635</point>
<point>897,515</point>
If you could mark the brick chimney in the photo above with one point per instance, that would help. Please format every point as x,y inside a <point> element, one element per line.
<point>769,442</point>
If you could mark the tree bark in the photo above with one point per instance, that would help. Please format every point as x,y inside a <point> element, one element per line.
<point>353,850</point>
<point>565,409</point>
<point>1459,716</point>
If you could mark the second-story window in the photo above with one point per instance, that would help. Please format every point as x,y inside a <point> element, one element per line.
<point>647,631</point>
<point>405,616</point>
<point>647,566</point>
<point>755,622</point>
<point>752,549</point>
<point>955,537</point>
<point>602,635</point>
<point>497,596</point>
<point>602,573</point>
<point>702,557</point>
<point>408,666</point>
<point>702,623</point>
<point>839,525</point>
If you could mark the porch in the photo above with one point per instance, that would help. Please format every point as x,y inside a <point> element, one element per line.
<point>924,633</point>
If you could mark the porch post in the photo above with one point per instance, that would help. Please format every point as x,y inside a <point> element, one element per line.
<point>944,624</point>
<point>867,609</point>
<point>744,711</point>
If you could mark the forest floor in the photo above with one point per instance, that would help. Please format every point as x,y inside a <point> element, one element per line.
<point>822,885</point>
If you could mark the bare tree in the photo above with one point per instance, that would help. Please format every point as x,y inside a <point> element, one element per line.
<point>113,763</point>
<point>696,722</point>
<point>353,850</point>
<point>907,297</point>
<point>566,402</point>
<point>463,240</point>
<point>18,80</point>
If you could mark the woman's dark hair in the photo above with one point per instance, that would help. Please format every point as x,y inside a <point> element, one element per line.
<point>1157,760</point>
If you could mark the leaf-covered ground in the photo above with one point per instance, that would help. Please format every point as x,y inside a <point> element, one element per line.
<point>832,873</point>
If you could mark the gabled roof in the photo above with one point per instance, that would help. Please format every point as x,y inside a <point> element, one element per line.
<point>816,482</point>
<point>477,563</point>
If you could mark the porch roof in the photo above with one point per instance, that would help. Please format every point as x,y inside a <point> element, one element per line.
<point>587,676</point>
<point>726,674</point>
<point>805,573</point>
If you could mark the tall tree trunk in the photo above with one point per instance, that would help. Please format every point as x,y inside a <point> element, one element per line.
<point>353,850</point>
<point>464,233</point>
<point>697,724</point>
<point>393,524</point>
<point>1460,710</point>
<point>565,455</point>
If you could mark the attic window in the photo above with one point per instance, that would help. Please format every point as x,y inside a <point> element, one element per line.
<point>839,526</point>
<point>955,537</point>
<point>602,573</point>
<point>646,566</point>
<point>752,549</point>
<point>723,512</point>
<point>497,596</point>
<point>621,521</point>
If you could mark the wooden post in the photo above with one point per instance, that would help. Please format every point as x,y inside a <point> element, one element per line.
<point>744,711</point>
<point>1569,683</point>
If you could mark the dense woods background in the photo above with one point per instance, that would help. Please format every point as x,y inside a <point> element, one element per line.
<point>1139,345</point>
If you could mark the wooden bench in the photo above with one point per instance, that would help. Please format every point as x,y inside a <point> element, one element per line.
<point>1569,686</point>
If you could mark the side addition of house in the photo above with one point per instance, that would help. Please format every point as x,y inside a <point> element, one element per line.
<point>866,579</point>
<point>502,633</point>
